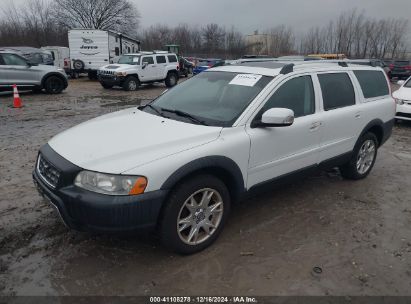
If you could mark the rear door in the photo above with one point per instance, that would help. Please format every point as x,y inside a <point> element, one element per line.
<point>161,67</point>
<point>340,115</point>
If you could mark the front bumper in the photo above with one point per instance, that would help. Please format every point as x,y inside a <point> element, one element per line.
<point>88,211</point>
<point>403,111</point>
<point>111,80</point>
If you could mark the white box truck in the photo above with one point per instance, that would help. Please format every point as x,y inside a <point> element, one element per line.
<point>91,49</point>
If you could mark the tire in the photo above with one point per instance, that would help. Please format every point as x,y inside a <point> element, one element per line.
<point>106,86</point>
<point>131,83</point>
<point>363,158</point>
<point>171,80</point>
<point>54,85</point>
<point>176,209</point>
<point>78,65</point>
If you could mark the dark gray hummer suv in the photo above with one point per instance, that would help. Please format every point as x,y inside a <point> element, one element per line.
<point>15,69</point>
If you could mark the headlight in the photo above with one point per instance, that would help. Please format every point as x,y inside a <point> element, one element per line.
<point>111,184</point>
<point>399,101</point>
<point>120,73</point>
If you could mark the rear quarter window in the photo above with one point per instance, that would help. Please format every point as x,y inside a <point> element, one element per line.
<point>373,83</point>
<point>172,58</point>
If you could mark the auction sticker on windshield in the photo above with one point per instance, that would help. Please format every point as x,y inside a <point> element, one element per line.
<point>248,80</point>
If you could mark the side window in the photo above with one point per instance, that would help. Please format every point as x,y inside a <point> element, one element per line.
<point>172,58</point>
<point>11,59</point>
<point>337,90</point>
<point>296,94</point>
<point>161,59</point>
<point>373,83</point>
<point>149,60</point>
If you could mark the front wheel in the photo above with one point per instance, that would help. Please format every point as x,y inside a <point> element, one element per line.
<point>363,158</point>
<point>195,214</point>
<point>54,85</point>
<point>131,83</point>
<point>171,80</point>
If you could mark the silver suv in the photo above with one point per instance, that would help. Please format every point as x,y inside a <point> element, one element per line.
<point>131,70</point>
<point>15,69</point>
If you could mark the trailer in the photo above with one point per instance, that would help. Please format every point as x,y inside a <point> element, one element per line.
<point>91,49</point>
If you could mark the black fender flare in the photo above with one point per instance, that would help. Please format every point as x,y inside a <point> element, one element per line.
<point>374,123</point>
<point>236,186</point>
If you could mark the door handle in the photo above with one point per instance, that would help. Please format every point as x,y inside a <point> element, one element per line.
<point>315,125</point>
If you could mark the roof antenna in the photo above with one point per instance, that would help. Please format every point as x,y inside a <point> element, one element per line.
<point>288,68</point>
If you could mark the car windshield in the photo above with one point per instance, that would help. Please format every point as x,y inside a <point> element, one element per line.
<point>214,98</point>
<point>408,84</point>
<point>129,59</point>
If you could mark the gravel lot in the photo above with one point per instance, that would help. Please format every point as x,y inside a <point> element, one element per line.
<point>358,233</point>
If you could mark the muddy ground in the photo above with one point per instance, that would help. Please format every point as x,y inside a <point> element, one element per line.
<point>357,233</point>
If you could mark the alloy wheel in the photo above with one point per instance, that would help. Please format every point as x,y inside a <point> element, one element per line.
<point>366,156</point>
<point>200,216</point>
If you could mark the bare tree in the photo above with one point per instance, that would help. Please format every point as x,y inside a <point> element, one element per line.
<point>119,15</point>
<point>213,37</point>
<point>30,24</point>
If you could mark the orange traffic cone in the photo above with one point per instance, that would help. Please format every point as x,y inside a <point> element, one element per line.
<point>16,99</point>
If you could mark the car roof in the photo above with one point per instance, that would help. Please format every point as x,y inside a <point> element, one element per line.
<point>274,68</point>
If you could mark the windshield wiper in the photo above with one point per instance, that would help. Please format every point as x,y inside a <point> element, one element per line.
<point>154,108</point>
<point>185,114</point>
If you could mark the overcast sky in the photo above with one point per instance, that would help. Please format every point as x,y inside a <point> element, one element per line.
<point>250,15</point>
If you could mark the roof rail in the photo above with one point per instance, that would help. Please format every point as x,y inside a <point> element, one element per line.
<point>288,68</point>
<point>343,64</point>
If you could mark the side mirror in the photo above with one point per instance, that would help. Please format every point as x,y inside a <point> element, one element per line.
<point>145,64</point>
<point>401,82</point>
<point>276,117</point>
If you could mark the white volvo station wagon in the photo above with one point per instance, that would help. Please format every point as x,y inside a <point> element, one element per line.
<point>179,163</point>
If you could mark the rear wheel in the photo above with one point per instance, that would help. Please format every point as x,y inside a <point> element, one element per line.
<point>363,158</point>
<point>195,214</point>
<point>171,79</point>
<point>54,85</point>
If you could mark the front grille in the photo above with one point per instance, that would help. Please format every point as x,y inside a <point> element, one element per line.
<point>104,72</point>
<point>47,171</point>
<point>400,114</point>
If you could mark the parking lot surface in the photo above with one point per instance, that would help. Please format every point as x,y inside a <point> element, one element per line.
<point>321,235</point>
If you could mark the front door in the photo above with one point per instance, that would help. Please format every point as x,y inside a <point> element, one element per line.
<point>148,69</point>
<point>276,151</point>
<point>17,70</point>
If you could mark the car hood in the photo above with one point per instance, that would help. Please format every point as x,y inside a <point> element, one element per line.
<point>123,140</point>
<point>118,67</point>
<point>402,93</point>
